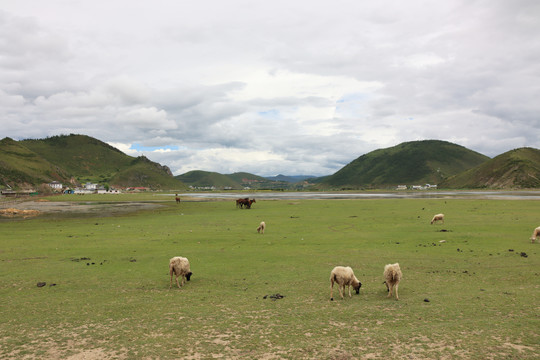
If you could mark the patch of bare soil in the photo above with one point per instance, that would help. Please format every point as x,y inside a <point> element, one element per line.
<point>12,212</point>
<point>34,208</point>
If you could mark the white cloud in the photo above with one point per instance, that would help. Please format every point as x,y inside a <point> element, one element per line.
<point>146,118</point>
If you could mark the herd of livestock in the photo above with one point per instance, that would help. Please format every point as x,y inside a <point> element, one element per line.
<point>341,275</point>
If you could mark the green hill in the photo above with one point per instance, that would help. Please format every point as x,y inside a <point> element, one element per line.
<point>409,163</point>
<point>78,159</point>
<point>146,173</point>
<point>81,155</point>
<point>23,168</point>
<point>515,169</point>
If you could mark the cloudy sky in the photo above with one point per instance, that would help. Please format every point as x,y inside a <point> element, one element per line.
<point>268,87</point>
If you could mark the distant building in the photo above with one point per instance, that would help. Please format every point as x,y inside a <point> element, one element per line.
<point>90,186</point>
<point>56,185</point>
<point>402,187</point>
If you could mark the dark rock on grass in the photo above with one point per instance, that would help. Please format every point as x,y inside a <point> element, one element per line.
<point>41,284</point>
<point>524,255</point>
<point>426,300</point>
<point>274,296</point>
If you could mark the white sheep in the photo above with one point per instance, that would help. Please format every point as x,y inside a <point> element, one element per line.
<point>438,217</point>
<point>535,234</point>
<point>261,227</point>
<point>180,267</point>
<point>344,276</point>
<point>392,275</point>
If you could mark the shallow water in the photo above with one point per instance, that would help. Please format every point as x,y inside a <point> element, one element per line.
<point>492,195</point>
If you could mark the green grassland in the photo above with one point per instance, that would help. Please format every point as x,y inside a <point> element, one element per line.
<point>112,297</point>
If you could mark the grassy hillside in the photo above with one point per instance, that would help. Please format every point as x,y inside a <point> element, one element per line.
<point>416,162</point>
<point>80,155</point>
<point>21,167</point>
<point>143,172</point>
<point>79,158</point>
<point>518,169</point>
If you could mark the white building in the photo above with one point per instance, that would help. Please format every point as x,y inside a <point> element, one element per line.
<point>90,186</point>
<point>56,185</point>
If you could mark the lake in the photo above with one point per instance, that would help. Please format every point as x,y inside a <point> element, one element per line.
<point>496,195</point>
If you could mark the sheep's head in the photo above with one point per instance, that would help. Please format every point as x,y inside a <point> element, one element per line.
<point>357,288</point>
<point>188,275</point>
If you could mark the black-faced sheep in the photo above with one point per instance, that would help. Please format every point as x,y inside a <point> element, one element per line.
<point>344,276</point>
<point>392,276</point>
<point>438,217</point>
<point>535,234</point>
<point>180,267</point>
<point>261,227</point>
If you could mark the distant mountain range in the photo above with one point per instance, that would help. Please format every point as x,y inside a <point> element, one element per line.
<point>76,159</point>
<point>203,180</point>
<point>290,179</point>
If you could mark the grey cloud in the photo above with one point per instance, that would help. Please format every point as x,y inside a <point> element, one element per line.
<point>457,70</point>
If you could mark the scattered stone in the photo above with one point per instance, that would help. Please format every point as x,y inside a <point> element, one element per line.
<point>523,255</point>
<point>274,296</point>
<point>426,300</point>
<point>41,284</point>
<point>510,249</point>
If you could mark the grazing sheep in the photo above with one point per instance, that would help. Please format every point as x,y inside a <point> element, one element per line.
<point>344,276</point>
<point>180,267</point>
<point>392,275</point>
<point>535,234</point>
<point>261,227</point>
<point>438,217</point>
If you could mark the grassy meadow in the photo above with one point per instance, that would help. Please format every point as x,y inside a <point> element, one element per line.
<point>474,296</point>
